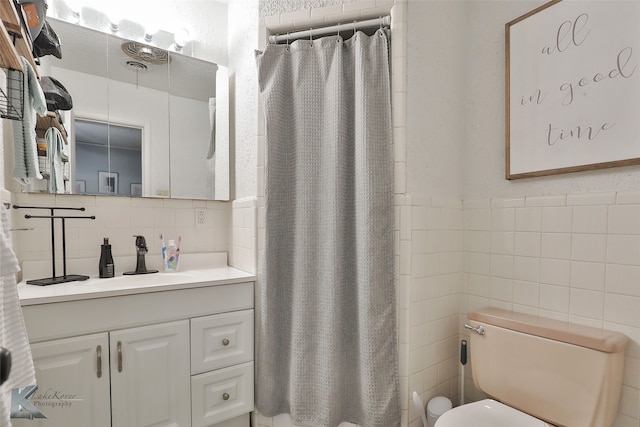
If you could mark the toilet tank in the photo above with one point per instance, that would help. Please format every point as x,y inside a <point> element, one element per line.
<point>566,374</point>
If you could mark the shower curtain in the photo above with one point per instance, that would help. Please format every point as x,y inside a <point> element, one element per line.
<point>327,344</point>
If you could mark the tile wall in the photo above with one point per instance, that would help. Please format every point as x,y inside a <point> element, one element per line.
<point>430,247</point>
<point>572,257</point>
<point>243,250</point>
<point>119,218</point>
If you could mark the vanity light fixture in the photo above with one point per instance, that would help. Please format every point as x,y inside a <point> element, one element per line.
<point>181,38</point>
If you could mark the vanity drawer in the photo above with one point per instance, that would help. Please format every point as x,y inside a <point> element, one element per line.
<point>221,395</point>
<point>221,340</point>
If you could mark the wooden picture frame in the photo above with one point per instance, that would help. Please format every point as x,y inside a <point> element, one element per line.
<point>107,182</point>
<point>572,88</point>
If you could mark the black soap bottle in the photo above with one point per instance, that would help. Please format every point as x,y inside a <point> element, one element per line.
<point>106,268</point>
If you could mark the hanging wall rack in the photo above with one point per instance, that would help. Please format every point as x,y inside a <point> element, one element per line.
<point>15,42</point>
<point>65,277</point>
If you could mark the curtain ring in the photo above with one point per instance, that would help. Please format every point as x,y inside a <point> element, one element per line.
<point>287,48</point>
<point>310,37</point>
<point>338,33</point>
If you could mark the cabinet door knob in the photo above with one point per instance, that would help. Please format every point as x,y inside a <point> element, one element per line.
<point>225,342</point>
<point>119,356</point>
<point>99,360</point>
<point>225,396</point>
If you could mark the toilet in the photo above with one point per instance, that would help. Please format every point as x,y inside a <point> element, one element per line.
<point>540,372</point>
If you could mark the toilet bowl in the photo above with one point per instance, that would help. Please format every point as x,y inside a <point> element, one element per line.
<point>488,413</point>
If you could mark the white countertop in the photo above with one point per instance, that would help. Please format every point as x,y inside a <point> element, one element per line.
<point>127,285</point>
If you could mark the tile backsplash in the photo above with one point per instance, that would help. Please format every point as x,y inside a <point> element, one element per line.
<point>119,219</point>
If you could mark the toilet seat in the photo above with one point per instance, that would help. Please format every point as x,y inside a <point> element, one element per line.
<point>487,413</point>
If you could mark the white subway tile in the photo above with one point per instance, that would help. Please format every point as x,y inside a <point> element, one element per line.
<point>546,201</point>
<point>591,199</point>
<point>478,263</point>
<point>554,298</point>
<point>590,219</point>
<point>589,247</point>
<point>502,242</point>
<point>557,219</point>
<point>555,272</point>
<point>527,244</point>
<point>503,219</point>
<point>526,293</point>
<point>623,279</point>
<point>622,309</point>
<point>501,289</point>
<point>507,203</point>
<point>588,275</point>
<point>623,249</point>
<point>502,266</point>
<point>526,268</point>
<point>587,303</point>
<point>625,197</point>
<point>529,219</point>
<point>476,203</point>
<point>477,219</point>
<point>624,219</point>
<point>556,245</point>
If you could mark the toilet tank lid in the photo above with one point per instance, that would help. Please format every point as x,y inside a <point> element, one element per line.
<point>584,336</point>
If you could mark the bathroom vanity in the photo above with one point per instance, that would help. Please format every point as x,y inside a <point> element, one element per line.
<point>160,349</point>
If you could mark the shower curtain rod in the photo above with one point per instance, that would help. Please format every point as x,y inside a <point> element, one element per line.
<point>383,21</point>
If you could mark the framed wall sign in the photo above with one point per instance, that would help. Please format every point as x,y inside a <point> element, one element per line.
<point>573,88</point>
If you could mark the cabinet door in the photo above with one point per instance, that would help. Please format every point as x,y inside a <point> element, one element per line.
<point>72,376</point>
<point>150,384</point>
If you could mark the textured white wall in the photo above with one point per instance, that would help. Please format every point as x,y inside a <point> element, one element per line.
<point>243,40</point>
<point>484,119</point>
<point>436,89</point>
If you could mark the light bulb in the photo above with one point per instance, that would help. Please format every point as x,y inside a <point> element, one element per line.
<point>115,16</point>
<point>149,31</point>
<point>182,37</point>
<point>75,7</point>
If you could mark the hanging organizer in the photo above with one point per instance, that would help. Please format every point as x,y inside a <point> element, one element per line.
<point>15,41</point>
<point>52,217</point>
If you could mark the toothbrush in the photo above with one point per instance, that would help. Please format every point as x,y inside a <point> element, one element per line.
<point>164,248</point>
<point>178,250</point>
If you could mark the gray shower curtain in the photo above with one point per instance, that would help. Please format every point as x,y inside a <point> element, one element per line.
<point>327,337</point>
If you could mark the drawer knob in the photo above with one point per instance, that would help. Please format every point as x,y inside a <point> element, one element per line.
<point>225,396</point>
<point>225,342</point>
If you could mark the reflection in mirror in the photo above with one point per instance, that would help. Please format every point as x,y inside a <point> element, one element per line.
<point>109,148</point>
<point>173,100</point>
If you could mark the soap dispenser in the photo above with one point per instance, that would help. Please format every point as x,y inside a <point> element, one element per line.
<point>106,268</point>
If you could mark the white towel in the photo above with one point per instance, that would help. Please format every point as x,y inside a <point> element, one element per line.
<point>55,155</point>
<point>25,168</point>
<point>13,333</point>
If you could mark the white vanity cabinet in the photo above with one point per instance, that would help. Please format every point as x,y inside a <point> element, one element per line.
<point>180,357</point>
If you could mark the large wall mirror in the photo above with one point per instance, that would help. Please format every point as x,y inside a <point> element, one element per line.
<point>145,121</point>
